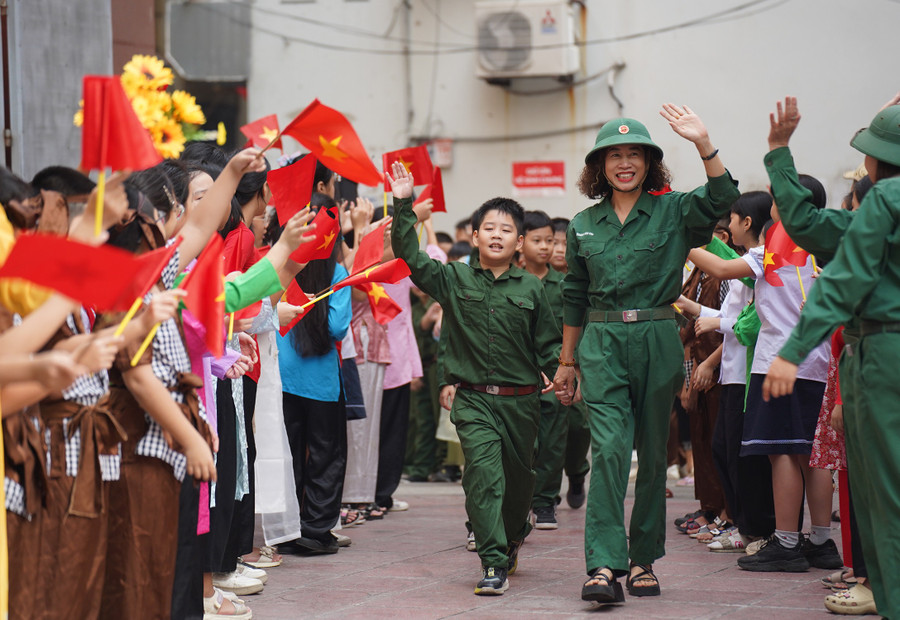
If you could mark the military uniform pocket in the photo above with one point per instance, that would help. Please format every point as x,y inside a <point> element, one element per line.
<point>650,252</point>
<point>517,312</point>
<point>471,305</point>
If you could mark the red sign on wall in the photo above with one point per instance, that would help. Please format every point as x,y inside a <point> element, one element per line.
<point>539,178</point>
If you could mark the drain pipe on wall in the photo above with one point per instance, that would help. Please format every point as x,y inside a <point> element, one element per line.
<point>7,123</point>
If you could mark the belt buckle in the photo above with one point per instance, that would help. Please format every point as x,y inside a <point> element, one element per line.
<point>629,316</point>
<point>492,389</point>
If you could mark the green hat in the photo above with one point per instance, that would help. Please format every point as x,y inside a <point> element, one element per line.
<point>622,131</point>
<point>882,139</point>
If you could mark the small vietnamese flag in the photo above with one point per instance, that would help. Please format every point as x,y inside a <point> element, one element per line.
<point>416,161</point>
<point>327,228</point>
<point>150,267</point>
<point>102,277</point>
<point>780,244</point>
<point>112,136</point>
<point>262,131</point>
<point>295,296</point>
<point>330,136</point>
<point>771,263</point>
<point>371,248</point>
<point>292,187</point>
<point>205,288</point>
<point>384,309</point>
<point>391,272</point>
<point>435,191</point>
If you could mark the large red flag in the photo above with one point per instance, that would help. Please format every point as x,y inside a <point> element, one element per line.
<point>262,131</point>
<point>150,267</point>
<point>205,288</point>
<point>295,296</point>
<point>384,309</point>
<point>371,248</point>
<point>330,136</point>
<point>292,187</point>
<point>435,191</point>
<point>327,228</point>
<point>416,161</point>
<point>779,243</point>
<point>112,136</point>
<point>391,272</point>
<point>101,277</point>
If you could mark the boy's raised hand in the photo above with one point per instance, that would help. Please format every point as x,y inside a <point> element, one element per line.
<point>401,180</point>
<point>783,122</point>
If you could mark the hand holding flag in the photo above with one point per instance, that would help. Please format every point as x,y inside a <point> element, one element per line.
<point>327,227</point>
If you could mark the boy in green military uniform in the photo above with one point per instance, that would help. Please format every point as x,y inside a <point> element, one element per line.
<point>537,249</point>
<point>502,334</point>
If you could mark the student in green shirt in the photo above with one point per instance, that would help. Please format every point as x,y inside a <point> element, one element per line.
<point>860,288</point>
<point>502,339</point>
<point>625,257</point>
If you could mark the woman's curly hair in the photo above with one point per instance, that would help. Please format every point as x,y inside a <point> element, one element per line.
<point>593,183</point>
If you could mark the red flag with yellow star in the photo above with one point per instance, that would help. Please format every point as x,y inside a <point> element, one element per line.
<point>779,243</point>
<point>435,191</point>
<point>295,296</point>
<point>330,136</point>
<point>772,261</point>
<point>292,187</point>
<point>391,272</point>
<point>262,131</point>
<point>416,161</point>
<point>205,288</point>
<point>384,309</point>
<point>327,228</point>
<point>371,248</point>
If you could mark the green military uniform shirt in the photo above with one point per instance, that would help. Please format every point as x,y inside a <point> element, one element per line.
<point>553,287</point>
<point>615,266</point>
<point>500,331</point>
<point>862,283</point>
<point>818,231</point>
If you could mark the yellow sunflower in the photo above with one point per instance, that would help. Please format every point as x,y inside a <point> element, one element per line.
<point>168,138</point>
<point>185,108</point>
<point>145,72</point>
<point>148,109</point>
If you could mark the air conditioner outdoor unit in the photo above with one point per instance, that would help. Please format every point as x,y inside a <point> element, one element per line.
<point>518,39</point>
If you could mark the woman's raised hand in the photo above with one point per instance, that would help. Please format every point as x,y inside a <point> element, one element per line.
<point>783,122</point>
<point>401,180</point>
<point>684,122</point>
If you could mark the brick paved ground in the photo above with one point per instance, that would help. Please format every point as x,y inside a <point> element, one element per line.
<point>414,565</point>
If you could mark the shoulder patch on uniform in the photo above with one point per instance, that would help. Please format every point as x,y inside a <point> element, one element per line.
<point>586,233</point>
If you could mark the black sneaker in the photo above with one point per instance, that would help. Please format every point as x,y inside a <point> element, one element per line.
<point>822,556</point>
<point>311,546</point>
<point>545,518</point>
<point>774,557</point>
<point>493,581</point>
<point>575,495</point>
<point>513,554</point>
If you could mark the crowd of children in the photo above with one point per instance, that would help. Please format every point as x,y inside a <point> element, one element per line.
<point>133,477</point>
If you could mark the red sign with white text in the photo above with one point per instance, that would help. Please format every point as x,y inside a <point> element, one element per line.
<point>539,178</point>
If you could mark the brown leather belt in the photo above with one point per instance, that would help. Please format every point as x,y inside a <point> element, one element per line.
<point>500,390</point>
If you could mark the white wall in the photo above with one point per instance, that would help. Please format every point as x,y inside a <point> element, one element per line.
<point>835,56</point>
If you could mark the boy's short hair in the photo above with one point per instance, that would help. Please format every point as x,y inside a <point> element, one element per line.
<point>461,225</point>
<point>443,237</point>
<point>559,224</point>
<point>503,205</point>
<point>458,250</point>
<point>536,219</point>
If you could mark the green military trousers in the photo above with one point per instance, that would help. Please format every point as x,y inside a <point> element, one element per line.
<point>578,441</point>
<point>497,434</point>
<point>551,451</point>
<point>871,397</point>
<point>631,372</point>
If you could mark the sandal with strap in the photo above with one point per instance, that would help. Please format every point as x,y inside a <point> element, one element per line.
<point>607,591</point>
<point>646,576</point>
<point>351,516</point>
<point>212,608</point>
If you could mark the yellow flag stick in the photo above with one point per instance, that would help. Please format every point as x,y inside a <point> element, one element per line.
<point>814,262</point>
<point>271,144</point>
<point>800,279</point>
<point>315,299</point>
<point>421,230</point>
<point>98,218</point>
<point>130,315</point>
<point>385,204</point>
<point>140,352</point>
<point>230,326</point>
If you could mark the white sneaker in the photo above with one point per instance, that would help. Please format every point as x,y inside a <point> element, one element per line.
<point>249,571</point>
<point>754,546</point>
<point>399,505</point>
<point>470,542</point>
<point>237,583</point>
<point>342,541</point>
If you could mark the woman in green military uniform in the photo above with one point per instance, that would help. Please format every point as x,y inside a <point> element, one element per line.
<point>860,288</point>
<point>625,257</point>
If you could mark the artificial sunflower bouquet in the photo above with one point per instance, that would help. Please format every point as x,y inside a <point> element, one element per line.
<point>171,118</point>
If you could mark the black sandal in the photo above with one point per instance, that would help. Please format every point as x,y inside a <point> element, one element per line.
<point>646,575</point>
<point>607,591</point>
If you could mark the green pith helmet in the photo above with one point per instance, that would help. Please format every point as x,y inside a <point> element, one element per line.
<point>622,131</point>
<point>882,139</point>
